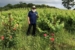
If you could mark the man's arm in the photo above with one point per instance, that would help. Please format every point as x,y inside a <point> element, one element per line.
<point>28,20</point>
<point>29,17</point>
<point>37,15</point>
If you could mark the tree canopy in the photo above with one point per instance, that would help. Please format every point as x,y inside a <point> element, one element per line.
<point>68,3</point>
<point>23,5</point>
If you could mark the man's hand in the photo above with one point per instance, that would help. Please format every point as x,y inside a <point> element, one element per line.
<point>28,22</point>
<point>37,16</point>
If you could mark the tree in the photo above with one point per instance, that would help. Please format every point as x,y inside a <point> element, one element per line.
<point>68,3</point>
<point>16,6</point>
<point>22,5</point>
<point>30,5</point>
<point>9,6</point>
<point>0,8</point>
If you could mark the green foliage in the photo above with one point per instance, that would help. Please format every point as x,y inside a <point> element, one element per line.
<point>8,35</point>
<point>50,21</point>
<point>66,3</point>
<point>50,24</point>
<point>22,5</point>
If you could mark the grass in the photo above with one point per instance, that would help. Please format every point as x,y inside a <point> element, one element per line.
<point>64,40</point>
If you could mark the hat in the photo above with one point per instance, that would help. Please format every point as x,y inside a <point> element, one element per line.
<point>33,7</point>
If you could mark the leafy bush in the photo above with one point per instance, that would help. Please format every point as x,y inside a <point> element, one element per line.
<point>8,35</point>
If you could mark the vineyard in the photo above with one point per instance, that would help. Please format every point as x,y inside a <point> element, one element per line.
<point>55,30</point>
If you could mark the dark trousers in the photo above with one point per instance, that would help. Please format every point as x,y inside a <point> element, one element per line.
<point>29,28</point>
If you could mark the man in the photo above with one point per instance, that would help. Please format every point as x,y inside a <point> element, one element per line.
<point>32,17</point>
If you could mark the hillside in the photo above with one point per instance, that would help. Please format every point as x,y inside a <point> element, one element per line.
<point>55,30</point>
